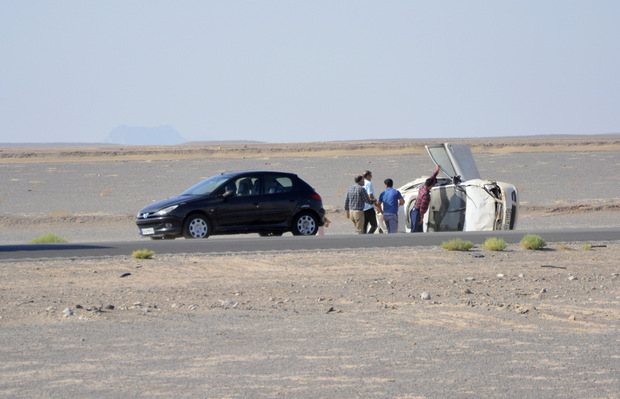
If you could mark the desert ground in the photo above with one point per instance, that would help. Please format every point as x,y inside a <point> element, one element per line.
<point>398,323</point>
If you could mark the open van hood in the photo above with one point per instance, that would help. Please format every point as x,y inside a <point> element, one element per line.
<point>454,160</point>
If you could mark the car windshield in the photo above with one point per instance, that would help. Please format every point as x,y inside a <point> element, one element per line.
<point>206,187</point>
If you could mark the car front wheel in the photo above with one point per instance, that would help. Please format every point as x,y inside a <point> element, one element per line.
<point>196,226</point>
<point>305,224</point>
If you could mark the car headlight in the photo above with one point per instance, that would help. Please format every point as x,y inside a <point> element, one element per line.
<point>165,211</point>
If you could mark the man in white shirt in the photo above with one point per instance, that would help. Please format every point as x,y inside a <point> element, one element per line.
<point>370,217</point>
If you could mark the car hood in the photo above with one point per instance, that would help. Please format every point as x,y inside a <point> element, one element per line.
<point>454,160</point>
<point>176,200</point>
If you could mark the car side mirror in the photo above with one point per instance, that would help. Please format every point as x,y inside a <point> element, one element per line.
<point>228,193</point>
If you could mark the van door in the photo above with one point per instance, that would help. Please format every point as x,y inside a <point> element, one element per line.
<point>446,211</point>
<point>454,160</point>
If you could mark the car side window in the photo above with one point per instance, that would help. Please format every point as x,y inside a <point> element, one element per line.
<point>278,184</point>
<point>246,186</point>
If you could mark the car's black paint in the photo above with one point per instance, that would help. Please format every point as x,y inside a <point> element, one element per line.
<point>264,202</point>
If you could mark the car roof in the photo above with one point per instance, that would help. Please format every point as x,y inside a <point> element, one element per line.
<point>247,172</point>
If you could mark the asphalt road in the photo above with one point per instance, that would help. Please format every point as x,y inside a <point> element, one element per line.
<point>253,244</point>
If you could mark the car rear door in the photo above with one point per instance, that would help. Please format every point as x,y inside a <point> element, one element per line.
<point>279,198</point>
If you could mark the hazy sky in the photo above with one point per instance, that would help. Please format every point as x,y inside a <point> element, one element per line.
<point>302,71</point>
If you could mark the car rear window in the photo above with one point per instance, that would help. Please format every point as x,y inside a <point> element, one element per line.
<point>278,184</point>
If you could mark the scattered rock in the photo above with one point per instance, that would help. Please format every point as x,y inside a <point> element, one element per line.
<point>425,296</point>
<point>228,304</point>
<point>466,291</point>
<point>67,312</point>
<point>571,278</point>
<point>125,275</point>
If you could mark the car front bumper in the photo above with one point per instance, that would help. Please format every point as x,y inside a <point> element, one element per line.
<point>160,226</point>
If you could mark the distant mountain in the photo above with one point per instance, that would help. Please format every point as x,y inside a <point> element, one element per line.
<point>139,135</point>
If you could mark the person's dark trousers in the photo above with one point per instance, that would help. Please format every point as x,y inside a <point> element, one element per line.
<point>370,218</point>
<point>416,227</point>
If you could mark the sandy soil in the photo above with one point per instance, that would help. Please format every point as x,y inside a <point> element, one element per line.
<point>348,323</point>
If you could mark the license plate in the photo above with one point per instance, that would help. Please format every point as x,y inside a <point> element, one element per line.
<point>148,231</point>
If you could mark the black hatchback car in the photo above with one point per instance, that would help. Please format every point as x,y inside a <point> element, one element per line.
<point>264,202</point>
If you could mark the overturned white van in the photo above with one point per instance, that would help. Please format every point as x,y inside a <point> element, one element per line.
<point>461,201</point>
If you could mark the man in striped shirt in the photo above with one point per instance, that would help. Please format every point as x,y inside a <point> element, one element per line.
<point>421,203</point>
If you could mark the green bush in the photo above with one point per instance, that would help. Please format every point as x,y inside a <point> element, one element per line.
<point>494,244</point>
<point>587,247</point>
<point>532,241</point>
<point>48,239</point>
<point>457,245</point>
<point>143,254</point>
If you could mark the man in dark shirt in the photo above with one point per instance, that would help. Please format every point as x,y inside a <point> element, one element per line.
<point>421,203</point>
<point>354,204</point>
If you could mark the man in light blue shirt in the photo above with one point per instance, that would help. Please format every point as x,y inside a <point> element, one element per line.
<point>389,201</point>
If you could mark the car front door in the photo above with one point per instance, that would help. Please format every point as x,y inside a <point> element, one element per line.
<point>241,208</point>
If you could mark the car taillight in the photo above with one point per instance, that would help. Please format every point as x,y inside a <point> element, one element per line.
<point>317,197</point>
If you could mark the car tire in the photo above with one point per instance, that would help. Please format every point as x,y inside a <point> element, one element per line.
<point>196,226</point>
<point>305,224</point>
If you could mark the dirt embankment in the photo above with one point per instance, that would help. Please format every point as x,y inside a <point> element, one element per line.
<point>320,149</point>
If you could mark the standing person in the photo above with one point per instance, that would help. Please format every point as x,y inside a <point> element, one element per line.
<point>421,203</point>
<point>354,204</point>
<point>370,217</point>
<point>389,201</point>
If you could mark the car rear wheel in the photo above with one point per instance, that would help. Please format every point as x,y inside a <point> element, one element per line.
<point>196,226</point>
<point>305,224</point>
